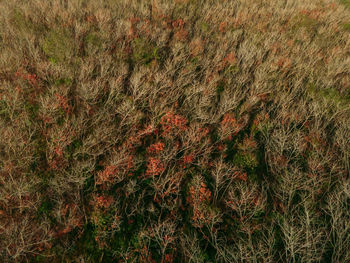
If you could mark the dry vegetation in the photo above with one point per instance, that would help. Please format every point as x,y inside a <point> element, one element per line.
<point>174,131</point>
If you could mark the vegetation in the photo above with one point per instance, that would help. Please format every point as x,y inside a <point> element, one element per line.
<point>174,131</point>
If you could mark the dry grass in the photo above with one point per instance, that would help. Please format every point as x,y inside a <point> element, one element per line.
<point>174,131</point>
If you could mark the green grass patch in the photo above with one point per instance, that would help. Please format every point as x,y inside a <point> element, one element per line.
<point>346,27</point>
<point>32,109</point>
<point>144,51</point>
<point>346,3</point>
<point>4,110</point>
<point>301,21</point>
<point>64,81</point>
<point>329,95</point>
<point>93,43</point>
<point>204,27</point>
<point>45,207</point>
<point>247,160</point>
<point>220,87</point>
<point>59,46</point>
<point>24,24</point>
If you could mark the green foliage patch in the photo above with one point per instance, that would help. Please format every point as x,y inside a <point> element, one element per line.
<point>145,51</point>
<point>329,95</point>
<point>59,46</point>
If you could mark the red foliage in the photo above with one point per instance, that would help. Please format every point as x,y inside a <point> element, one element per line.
<point>169,258</point>
<point>156,148</point>
<point>171,121</point>
<point>197,197</point>
<point>223,27</point>
<point>202,132</point>
<point>154,167</point>
<point>106,174</point>
<point>181,33</point>
<point>188,159</point>
<point>179,23</point>
<point>63,103</point>
<point>146,255</point>
<point>228,120</point>
<point>31,78</point>
<point>103,201</point>
<point>240,175</point>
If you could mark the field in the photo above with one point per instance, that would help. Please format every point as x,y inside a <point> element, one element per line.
<point>175,131</point>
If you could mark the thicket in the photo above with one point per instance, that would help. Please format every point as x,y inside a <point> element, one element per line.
<point>174,131</point>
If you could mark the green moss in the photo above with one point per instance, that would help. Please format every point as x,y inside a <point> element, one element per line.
<point>58,46</point>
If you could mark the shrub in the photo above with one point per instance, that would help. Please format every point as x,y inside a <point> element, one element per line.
<point>174,131</point>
